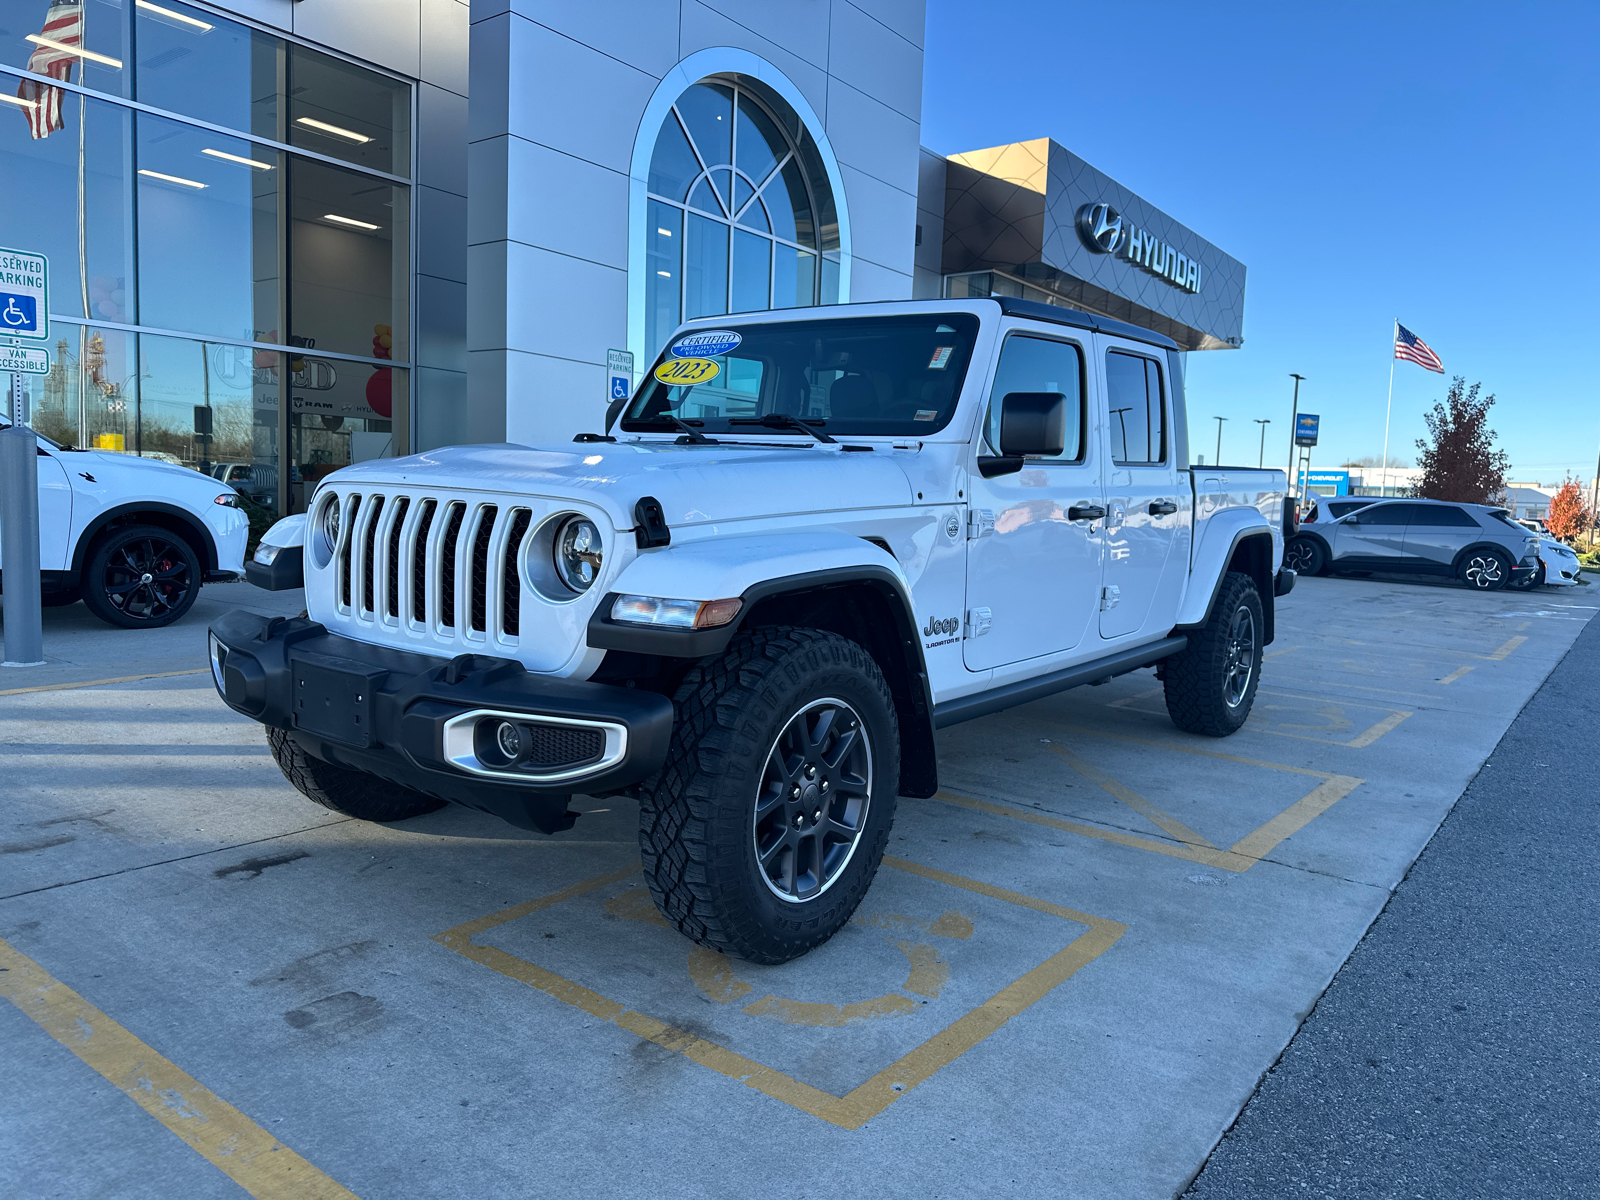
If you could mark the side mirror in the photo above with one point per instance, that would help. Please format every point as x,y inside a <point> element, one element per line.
<point>1031,423</point>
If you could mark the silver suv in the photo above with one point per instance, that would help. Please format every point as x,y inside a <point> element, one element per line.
<point>1479,545</point>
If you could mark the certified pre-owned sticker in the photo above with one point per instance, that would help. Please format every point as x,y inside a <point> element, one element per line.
<point>686,372</point>
<point>705,345</point>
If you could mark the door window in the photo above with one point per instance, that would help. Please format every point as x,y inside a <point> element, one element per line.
<point>1386,514</point>
<point>1036,364</point>
<point>1441,515</point>
<point>1138,411</point>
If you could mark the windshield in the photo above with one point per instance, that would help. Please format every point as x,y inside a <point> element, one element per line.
<point>53,444</point>
<point>893,376</point>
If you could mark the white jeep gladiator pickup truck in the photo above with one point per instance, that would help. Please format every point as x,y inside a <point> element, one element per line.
<point>806,542</point>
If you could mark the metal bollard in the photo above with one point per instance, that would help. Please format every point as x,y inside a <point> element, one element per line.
<point>19,545</point>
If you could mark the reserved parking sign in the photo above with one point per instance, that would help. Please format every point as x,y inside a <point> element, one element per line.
<point>24,295</point>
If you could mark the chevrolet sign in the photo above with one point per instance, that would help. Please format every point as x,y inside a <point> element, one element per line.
<point>1105,231</point>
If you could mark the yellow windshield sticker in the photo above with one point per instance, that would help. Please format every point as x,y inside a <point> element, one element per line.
<point>686,372</point>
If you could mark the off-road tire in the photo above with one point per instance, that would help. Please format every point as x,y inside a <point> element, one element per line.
<point>174,577</point>
<point>697,816</point>
<point>1475,571</point>
<point>344,790</point>
<point>1197,680</point>
<point>1307,551</point>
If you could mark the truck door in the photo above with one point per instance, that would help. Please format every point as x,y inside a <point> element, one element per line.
<point>1147,512</point>
<point>1033,550</point>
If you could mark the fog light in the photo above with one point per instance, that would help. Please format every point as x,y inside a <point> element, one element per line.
<point>510,740</point>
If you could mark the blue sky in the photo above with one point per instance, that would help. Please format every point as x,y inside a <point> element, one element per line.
<point>1431,162</point>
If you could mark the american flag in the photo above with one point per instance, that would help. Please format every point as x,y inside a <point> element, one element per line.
<point>63,25</point>
<point>1410,347</point>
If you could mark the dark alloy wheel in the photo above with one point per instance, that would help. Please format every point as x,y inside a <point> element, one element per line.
<point>1484,570</point>
<point>1211,685</point>
<point>816,790</point>
<point>768,820</point>
<point>142,577</point>
<point>1304,556</point>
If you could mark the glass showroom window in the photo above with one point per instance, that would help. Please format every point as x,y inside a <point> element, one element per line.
<point>203,283</point>
<point>740,216</point>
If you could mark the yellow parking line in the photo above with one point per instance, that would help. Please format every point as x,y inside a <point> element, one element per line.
<point>1455,675</point>
<point>1377,731</point>
<point>213,1128</point>
<point>63,687</point>
<point>1167,824</point>
<point>1505,650</point>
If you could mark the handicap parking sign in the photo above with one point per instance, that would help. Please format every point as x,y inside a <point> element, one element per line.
<point>24,295</point>
<point>18,314</point>
<point>619,387</point>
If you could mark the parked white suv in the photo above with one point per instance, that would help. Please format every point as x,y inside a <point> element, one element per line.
<point>133,538</point>
<point>806,542</point>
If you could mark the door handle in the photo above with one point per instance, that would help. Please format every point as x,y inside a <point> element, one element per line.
<point>1162,508</point>
<point>1085,512</point>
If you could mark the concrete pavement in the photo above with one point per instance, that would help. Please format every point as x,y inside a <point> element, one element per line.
<point>1071,978</point>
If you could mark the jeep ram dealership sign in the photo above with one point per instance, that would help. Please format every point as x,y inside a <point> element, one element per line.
<point>1105,231</point>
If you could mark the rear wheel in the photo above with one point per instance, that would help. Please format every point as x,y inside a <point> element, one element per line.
<point>1211,686</point>
<point>1484,570</point>
<point>1305,556</point>
<point>141,577</point>
<point>765,827</point>
<point>343,789</point>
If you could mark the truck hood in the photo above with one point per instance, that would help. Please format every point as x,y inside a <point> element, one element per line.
<point>695,484</point>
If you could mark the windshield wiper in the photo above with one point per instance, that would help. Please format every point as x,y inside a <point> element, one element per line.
<point>692,436</point>
<point>774,420</point>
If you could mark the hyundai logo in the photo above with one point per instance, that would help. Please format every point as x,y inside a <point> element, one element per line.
<point>1100,227</point>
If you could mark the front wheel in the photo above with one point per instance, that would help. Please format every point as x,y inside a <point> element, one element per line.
<point>142,577</point>
<point>344,789</point>
<point>1211,686</point>
<point>765,827</point>
<point>1484,570</point>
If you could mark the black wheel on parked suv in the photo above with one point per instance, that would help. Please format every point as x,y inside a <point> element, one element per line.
<point>1305,556</point>
<point>1484,570</point>
<point>141,577</point>
<point>344,790</point>
<point>1211,686</point>
<point>765,827</point>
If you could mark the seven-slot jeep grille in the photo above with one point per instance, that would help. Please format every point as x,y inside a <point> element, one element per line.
<point>447,566</point>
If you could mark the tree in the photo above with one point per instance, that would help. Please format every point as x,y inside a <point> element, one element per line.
<point>1569,515</point>
<point>1458,459</point>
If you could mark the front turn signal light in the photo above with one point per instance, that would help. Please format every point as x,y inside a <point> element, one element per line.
<point>674,614</point>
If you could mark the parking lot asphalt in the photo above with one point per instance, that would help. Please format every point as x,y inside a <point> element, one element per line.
<point>1070,975</point>
<point>1457,1052</point>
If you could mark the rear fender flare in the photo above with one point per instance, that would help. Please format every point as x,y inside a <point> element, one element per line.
<point>1234,540</point>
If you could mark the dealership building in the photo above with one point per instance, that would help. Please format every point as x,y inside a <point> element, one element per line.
<point>342,229</point>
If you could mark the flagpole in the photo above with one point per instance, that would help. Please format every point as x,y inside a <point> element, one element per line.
<point>1388,408</point>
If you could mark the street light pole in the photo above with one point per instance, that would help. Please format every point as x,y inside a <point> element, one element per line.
<point>1261,458</point>
<point>1294,424</point>
<point>1219,421</point>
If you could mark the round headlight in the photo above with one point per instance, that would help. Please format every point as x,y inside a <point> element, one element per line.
<point>330,523</point>
<point>578,553</point>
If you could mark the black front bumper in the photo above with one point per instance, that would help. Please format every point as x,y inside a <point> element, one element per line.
<point>407,717</point>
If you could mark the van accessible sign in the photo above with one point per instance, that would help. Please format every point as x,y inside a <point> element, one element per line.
<point>24,296</point>
<point>1106,231</point>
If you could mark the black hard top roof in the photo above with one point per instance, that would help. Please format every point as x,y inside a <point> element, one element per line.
<point>1036,310</point>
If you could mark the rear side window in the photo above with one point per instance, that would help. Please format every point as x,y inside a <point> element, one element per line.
<point>1442,515</point>
<point>1138,411</point>
<point>1036,364</point>
<point>1387,514</point>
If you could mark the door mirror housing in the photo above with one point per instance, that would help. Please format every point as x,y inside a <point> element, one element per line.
<point>1031,424</point>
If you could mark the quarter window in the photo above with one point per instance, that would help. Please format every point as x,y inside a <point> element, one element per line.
<point>1036,364</point>
<point>1138,410</point>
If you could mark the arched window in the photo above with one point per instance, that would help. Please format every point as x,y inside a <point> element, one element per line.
<point>740,212</point>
